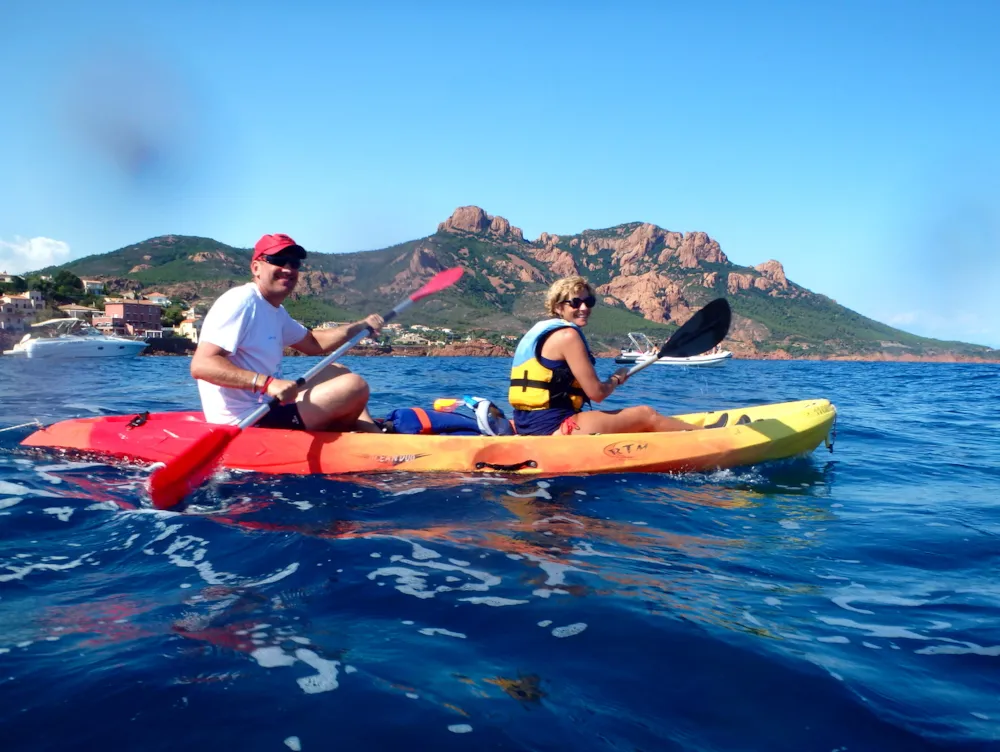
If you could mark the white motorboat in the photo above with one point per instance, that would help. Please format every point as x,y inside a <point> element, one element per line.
<point>73,338</point>
<point>643,349</point>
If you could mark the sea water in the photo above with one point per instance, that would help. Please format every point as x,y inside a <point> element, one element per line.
<point>840,601</point>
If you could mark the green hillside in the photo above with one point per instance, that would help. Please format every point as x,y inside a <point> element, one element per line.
<point>506,278</point>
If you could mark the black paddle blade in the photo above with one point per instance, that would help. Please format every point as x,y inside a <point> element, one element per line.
<point>703,331</point>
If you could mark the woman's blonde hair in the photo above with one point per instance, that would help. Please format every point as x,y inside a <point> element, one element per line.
<point>563,289</point>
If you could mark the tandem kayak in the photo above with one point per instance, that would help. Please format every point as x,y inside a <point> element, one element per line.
<point>750,435</point>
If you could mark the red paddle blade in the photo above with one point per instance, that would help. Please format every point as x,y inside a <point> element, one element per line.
<point>438,282</point>
<point>169,484</point>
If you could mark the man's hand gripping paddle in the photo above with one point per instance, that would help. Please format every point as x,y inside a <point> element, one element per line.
<point>169,484</point>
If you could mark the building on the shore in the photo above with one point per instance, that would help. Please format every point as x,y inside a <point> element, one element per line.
<point>93,285</point>
<point>190,328</point>
<point>157,297</point>
<point>75,311</point>
<point>7,278</point>
<point>410,339</point>
<point>137,318</point>
<point>17,311</point>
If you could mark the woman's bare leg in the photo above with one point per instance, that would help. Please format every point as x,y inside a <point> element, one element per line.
<point>640,419</point>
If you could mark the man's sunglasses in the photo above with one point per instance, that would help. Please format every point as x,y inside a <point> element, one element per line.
<point>289,262</point>
<point>574,303</point>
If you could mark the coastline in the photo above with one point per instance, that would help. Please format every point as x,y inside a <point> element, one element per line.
<point>180,347</point>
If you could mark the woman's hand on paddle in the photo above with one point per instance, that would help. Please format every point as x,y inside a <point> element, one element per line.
<point>618,377</point>
<point>286,391</point>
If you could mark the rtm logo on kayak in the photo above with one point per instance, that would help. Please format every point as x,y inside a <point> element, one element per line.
<point>624,450</point>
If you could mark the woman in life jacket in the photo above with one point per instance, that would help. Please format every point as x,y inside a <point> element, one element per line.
<point>553,375</point>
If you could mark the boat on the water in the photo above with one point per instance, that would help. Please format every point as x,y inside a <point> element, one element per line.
<point>73,338</point>
<point>643,349</point>
<point>734,437</point>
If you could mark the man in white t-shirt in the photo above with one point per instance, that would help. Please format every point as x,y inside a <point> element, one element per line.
<point>238,360</point>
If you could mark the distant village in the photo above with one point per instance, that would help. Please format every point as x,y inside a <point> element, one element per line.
<point>150,315</point>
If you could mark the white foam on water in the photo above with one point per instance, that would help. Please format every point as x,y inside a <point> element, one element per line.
<point>62,513</point>
<point>101,506</point>
<point>272,657</point>
<point>515,557</point>
<point>413,695</point>
<point>323,681</point>
<point>10,501</point>
<point>546,592</point>
<point>303,505</point>
<point>413,582</point>
<point>872,645</point>
<point>569,630</point>
<point>349,669</point>
<point>980,716</point>
<point>420,553</point>
<point>408,492</point>
<point>845,601</point>
<point>789,524</point>
<point>452,578</point>
<point>875,630</point>
<point>460,728</point>
<point>300,640</point>
<point>541,493</point>
<point>460,563</point>
<point>494,601</point>
<point>965,648</point>
<point>772,601</point>
<point>545,623</point>
<point>375,555</point>
<point>751,619</point>
<point>408,581</point>
<point>16,489</point>
<point>19,573</point>
<point>90,408</point>
<point>639,522</point>
<point>839,639</point>
<point>408,621</point>
<point>431,631</point>
<point>4,650</point>
<point>293,744</point>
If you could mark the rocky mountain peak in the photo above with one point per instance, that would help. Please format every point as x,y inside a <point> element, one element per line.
<point>472,219</point>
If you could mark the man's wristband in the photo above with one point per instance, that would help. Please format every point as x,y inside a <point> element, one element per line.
<point>253,387</point>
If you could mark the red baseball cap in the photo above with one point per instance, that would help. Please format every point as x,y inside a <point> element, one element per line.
<point>272,245</point>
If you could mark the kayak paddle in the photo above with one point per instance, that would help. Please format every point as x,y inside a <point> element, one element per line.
<point>171,482</point>
<point>700,333</point>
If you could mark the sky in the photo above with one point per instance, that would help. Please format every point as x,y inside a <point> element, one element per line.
<point>855,142</point>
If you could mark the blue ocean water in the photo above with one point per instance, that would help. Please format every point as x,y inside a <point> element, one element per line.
<point>844,601</point>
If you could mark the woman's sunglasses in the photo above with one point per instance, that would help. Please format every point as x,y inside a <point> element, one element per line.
<point>574,303</point>
<point>289,262</point>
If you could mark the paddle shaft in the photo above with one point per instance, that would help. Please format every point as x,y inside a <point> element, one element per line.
<point>305,378</point>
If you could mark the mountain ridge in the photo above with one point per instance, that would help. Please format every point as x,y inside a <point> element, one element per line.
<point>647,278</point>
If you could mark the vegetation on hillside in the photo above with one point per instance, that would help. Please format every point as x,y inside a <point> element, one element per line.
<point>490,296</point>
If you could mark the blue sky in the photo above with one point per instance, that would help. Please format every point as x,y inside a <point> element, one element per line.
<point>855,142</point>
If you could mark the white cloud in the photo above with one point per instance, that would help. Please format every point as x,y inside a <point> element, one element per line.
<point>25,255</point>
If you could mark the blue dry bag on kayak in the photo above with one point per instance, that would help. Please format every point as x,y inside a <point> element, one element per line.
<point>473,416</point>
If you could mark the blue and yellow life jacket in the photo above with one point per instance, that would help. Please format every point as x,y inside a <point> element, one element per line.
<point>537,383</point>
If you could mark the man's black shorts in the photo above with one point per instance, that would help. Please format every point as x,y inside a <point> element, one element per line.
<point>283,416</point>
